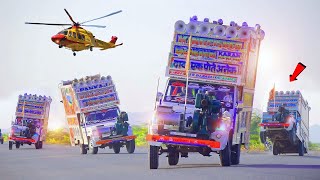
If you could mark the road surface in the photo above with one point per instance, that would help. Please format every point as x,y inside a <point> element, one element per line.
<point>56,162</point>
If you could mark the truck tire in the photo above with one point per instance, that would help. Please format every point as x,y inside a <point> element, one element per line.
<point>263,137</point>
<point>235,154</point>
<point>173,157</point>
<point>154,157</point>
<point>225,155</point>
<point>131,146</point>
<point>116,148</point>
<point>1,141</point>
<point>275,149</point>
<point>10,145</point>
<point>37,145</point>
<point>92,150</point>
<point>17,145</point>
<point>83,149</point>
<point>40,144</point>
<point>301,148</point>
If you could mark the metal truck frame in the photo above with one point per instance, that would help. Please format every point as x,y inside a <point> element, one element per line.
<point>86,100</point>
<point>289,133</point>
<point>31,122</point>
<point>222,58</point>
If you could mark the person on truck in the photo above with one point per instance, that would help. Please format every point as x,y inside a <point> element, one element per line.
<point>282,113</point>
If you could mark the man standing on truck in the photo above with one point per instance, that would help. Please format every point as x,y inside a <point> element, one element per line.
<point>282,113</point>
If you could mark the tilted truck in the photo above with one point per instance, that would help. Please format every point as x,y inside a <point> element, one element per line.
<point>286,123</point>
<point>31,121</point>
<point>221,83</point>
<point>94,118</point>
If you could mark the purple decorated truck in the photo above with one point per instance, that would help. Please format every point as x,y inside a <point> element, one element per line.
<point>207,103</point>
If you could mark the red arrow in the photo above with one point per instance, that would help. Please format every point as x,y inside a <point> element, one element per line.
<point>300,67</point>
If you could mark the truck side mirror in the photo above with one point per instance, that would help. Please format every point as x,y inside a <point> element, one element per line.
<point>159,96</point>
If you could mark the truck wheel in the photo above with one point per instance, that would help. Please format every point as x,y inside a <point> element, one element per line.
<point>17,145</point>
<point>301,148</point>
<point>1,141</point>
<point>173,157</point>
<point>235,154</point>
<point>10,145</point>
<point>92,150</point>
<point>40,144</point>
<point>131,146</point>
<point>275,149</point>
<point>263,138</point>
<point>225,155</point>
<point>154,157</point>
<point>83,149</point>
<point>116,148</point>
<point>37,145</point>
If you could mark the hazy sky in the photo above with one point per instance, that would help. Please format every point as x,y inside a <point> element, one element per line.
<point>31,63</point>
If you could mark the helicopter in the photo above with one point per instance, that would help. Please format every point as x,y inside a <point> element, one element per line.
<point>77,38</point>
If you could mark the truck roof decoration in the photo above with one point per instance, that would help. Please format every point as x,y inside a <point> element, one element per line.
<point>33,106</point>
<point>94,92</point>
<point>219,53</point>
<point>30,97</point>
<point>293,100</point>
<point>218,29</point>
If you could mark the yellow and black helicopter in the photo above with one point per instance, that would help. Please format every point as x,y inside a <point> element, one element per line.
<point>77,38</point>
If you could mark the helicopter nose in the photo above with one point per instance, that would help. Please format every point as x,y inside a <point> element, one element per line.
<point>57,38</point>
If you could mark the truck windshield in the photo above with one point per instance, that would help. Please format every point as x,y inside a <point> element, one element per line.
<point>176,91</point>
<point>102,116</point>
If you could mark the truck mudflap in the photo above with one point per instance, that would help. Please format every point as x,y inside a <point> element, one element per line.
<point>124,138</point>
<point>214,145</point>
<point>20,139</point>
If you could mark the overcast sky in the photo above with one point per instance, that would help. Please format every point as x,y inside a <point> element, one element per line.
<point>31,63</point>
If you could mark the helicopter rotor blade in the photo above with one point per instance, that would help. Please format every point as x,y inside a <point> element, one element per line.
<point>102,16</point>
<point>49,24</point>
<point>97,26</point>
<point>70,16</point>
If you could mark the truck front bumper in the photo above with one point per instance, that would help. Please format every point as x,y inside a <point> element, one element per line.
<point>158,140</point>
<point>107,141</point>
<point>21,139</point>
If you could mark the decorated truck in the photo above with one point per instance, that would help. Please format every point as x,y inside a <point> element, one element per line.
<point>286,123</point>
<point>31,121</point>
<point>210,111</point>
<point>94,118</point>
<point>1,137</point>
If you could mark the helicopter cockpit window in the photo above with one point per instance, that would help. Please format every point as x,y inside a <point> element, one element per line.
<point>74,34</point>
<point>63,32</point>
<point>69,33</point>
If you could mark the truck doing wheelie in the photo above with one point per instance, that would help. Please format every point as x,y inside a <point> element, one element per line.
<point>31,121</point>
<point>220,90</point>
<point>286,123</point>
<point>92,110</point>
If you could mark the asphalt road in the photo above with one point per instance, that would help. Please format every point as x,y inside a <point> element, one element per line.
<point>64,162</point>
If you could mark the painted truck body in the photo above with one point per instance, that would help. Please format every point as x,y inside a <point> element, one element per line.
<point>92,107</point>
<point>223,59</point>
<point>290,134</point>
<point>31,121</point>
